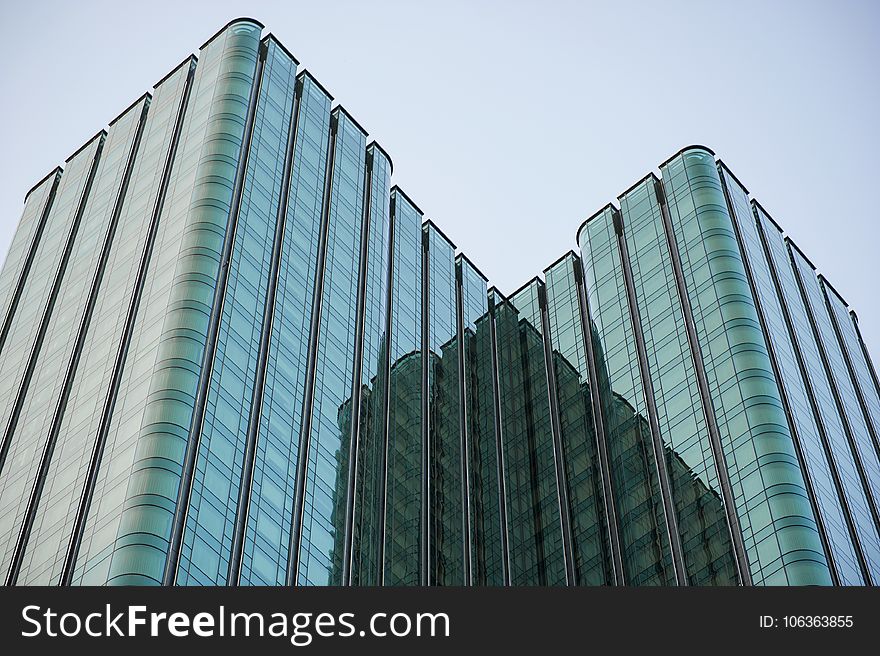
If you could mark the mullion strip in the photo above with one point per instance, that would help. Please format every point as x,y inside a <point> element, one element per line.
<point>29,259</point>
<point>499,443</point>
<point>599,427</point>
<point>463,426</point>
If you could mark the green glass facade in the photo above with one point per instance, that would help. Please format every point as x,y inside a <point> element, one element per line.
<point>232,353</point>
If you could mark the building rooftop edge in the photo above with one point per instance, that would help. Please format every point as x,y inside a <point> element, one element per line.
<point>723,165</point>
<point>650,176</point>
<point>763,210</point>
<point>54,171</point>
<point>433,224</point>
<point>343,110</point>
<point>570,252</point>
<point>528,283</point>
<point>375,144</point>
<point>100,134</point>
<point>833,290</point>
<point>794,246</point>
<point>125,111</point>
<point>188,60</point>
<point>494,290</point>
<point>602,210</point>
<point>397,189</point>
<point>271,37</point>
<point>307,73</point>
<point>470,263</point>
<point>240,19</point>
<point>684,150</point>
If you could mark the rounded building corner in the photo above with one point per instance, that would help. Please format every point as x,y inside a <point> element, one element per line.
<point>235,22</point>
<point>688,149</point>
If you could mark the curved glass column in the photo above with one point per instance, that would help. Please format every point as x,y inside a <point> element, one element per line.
<point>778,528</point>
<point>195,218</point>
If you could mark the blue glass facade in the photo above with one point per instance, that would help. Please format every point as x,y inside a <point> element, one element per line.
<point>232,353</point>
<point>270,510</point>
<point>369,436</point>
<point>862,510</point>
<point>820,470</point>
<point>213,504</point>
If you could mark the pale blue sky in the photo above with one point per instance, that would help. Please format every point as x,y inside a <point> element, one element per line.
<point>511,122</point>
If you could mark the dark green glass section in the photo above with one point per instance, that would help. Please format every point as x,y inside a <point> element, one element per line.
<point>775,516</point>
<point>404,466</point>
<point>646,555</point>
<point>571,371</point>
<point>534,531</point>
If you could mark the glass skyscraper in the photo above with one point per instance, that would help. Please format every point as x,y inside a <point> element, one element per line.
<point>232,352</point>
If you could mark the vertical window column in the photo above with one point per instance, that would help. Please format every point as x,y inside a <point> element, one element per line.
<point>365,410</point>
<point>270,509</point>
<point>403,494</point>
<point>105,377</point>
<point>643,536</point>
<point>324,452</point>
<point>443,394</point>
